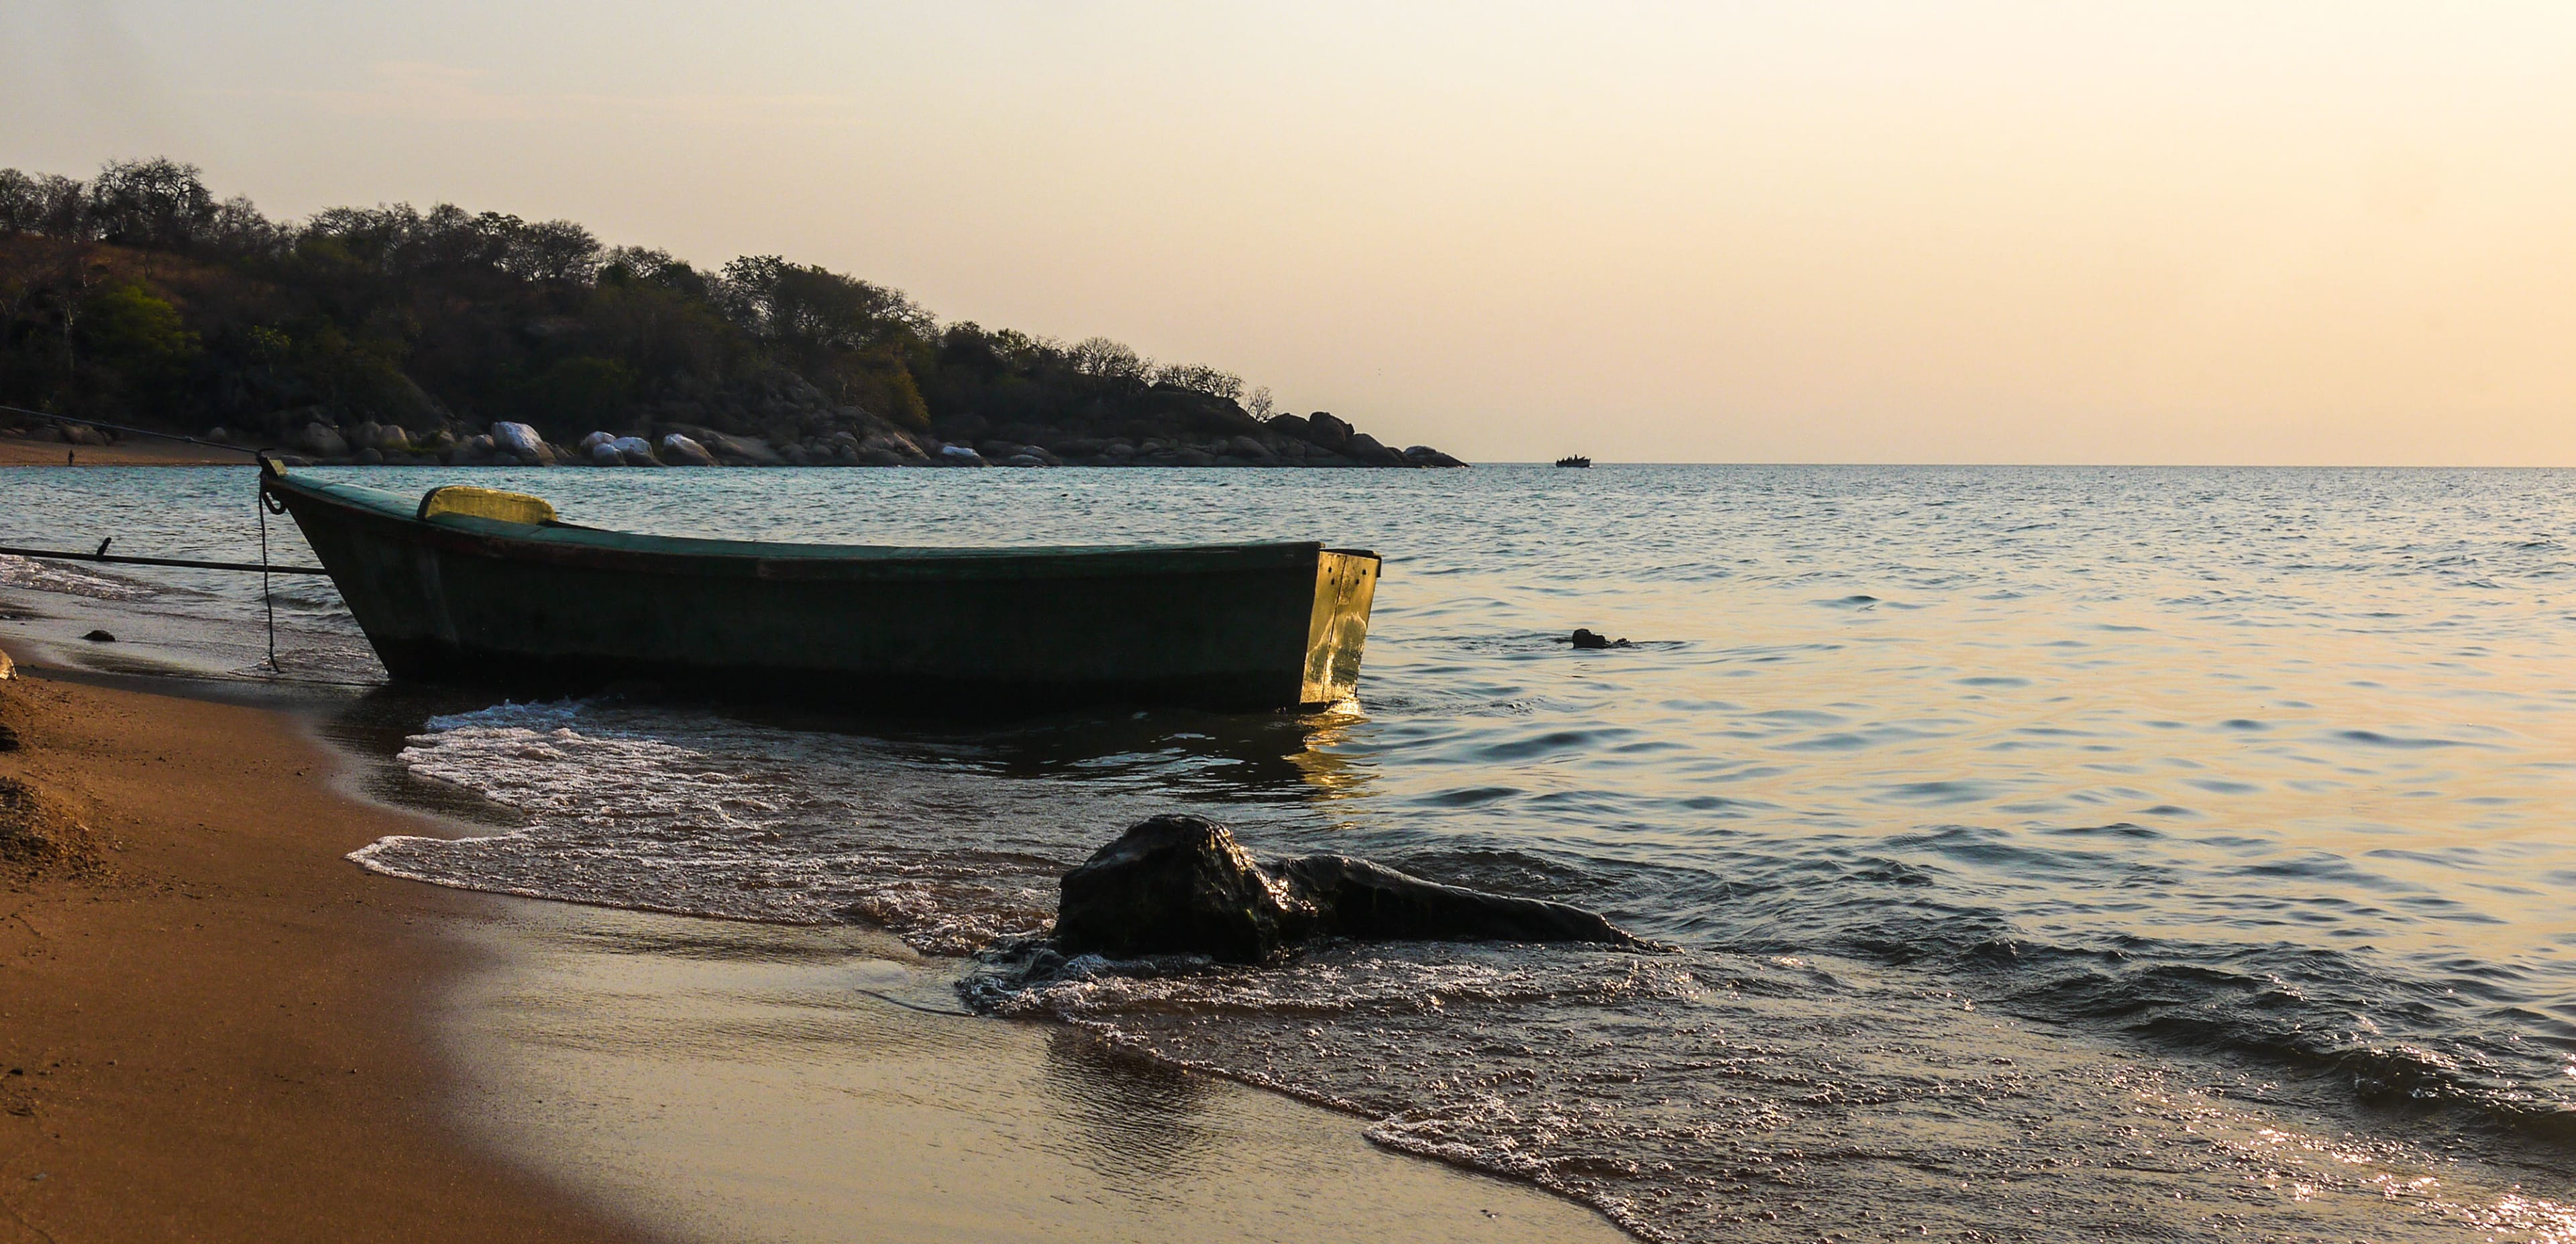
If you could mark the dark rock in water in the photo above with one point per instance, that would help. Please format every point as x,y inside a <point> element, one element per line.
<point>1590,639</point>
<point>1371,902</point>
<point>1183,885</point>
<point>100,637</point>
<point>1176,885</point>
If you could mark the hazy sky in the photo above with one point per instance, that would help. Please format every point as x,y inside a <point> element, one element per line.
<point>2062,232</point>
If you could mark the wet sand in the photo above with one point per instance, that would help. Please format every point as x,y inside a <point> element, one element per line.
<point>754,1082</point>
<point>233,1033</point>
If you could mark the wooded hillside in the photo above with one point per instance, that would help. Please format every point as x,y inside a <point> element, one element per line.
<point>138,297</point>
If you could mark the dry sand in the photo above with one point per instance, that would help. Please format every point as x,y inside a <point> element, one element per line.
<point>226,1031</point>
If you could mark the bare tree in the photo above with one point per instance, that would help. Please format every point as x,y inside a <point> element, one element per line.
<point>552,250</point>
<point>1110,360</point>
<point>1200,379</point>
<point>155,202</point>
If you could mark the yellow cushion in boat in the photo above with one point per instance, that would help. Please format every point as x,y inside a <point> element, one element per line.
<point>492,503</point>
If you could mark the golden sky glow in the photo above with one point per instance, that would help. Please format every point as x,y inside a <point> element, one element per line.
<point>2289,233</point>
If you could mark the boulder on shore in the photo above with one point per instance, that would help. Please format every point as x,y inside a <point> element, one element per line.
<point>522,442</point>
<point>635,450</point>
<point>679,450</point>
<point>1183,885</point>
<point>324,441</point>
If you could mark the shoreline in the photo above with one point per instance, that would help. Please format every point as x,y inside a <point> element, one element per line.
<point>230,1032</point>
<point>20,451</point>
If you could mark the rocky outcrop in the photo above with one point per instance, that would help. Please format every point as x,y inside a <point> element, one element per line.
<point>1325,430</point>
<point>1183,885</point>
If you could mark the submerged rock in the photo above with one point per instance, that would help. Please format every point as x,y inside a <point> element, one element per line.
<point>100,637</point>
<point>1183,885</point>
<point>1594,639</point>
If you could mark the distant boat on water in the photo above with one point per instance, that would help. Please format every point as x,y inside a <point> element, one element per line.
<point>1576,460</point>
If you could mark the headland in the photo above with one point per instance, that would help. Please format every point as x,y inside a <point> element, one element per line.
<point>395,335</point>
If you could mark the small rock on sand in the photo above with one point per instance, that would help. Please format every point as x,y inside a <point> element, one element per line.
<point>100,637</point>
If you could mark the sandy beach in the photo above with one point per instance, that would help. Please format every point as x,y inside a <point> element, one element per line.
<point>209,1028</point>
<point>141,451</point>
<point>216,1028</point>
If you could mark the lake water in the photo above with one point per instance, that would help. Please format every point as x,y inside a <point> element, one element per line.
<point>2045,853</point>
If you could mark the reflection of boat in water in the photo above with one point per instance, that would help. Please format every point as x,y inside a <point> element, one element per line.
<point>476,586</point>
<point>1575,460</point>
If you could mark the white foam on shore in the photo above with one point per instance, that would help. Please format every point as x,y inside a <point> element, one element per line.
<point>1690,1096</point>
<point>707,817</point>
<point>46,576</point>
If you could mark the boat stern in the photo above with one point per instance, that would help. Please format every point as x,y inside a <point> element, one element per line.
<point>1337,630</point>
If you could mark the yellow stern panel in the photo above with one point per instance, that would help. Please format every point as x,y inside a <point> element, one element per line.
<point>1345,587</point>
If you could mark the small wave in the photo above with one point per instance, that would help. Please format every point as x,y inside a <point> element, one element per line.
<point>44,576</point>
<point>2373,738</point>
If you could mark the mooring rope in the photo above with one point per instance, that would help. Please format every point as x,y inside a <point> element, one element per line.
<point>183,563</point>
<point>265,504</point>
<point>267,599</point>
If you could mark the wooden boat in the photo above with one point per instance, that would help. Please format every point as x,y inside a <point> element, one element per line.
<point>1576,460</point>
<point>479,586</point>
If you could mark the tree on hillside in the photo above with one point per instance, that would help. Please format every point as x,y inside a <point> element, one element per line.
<point>810,308</point>
<point>150,203</point>
<point>1103,359</point>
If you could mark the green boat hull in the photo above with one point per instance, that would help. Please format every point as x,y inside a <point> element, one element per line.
<point>556,608</point>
